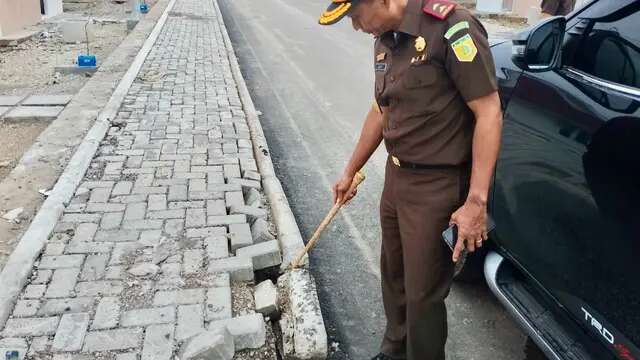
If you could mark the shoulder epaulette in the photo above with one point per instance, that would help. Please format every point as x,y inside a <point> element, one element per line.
<point>439,9</point>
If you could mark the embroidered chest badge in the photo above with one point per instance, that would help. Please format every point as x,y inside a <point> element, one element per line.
<point>465,49</point>
<point>421,47</point>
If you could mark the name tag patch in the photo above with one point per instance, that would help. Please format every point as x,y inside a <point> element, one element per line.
<point>381,67</point>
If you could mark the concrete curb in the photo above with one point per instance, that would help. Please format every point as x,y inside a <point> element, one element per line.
<point>16,272</point>
<point>310,336</point>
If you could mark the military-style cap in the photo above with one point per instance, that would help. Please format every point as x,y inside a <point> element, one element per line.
<point>336,11</point>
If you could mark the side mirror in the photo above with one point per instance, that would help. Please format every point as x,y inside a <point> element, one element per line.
<point>541,48</point>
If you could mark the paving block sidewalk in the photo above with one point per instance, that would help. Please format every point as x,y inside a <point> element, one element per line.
<point>144,256</point>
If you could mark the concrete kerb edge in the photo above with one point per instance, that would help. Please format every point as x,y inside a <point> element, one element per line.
<point>302,289</point>
<point>19,266</point>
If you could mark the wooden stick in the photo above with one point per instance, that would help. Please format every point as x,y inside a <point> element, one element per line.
<point>357,180</point>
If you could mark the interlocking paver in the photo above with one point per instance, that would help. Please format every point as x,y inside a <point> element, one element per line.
<point>178,170</point>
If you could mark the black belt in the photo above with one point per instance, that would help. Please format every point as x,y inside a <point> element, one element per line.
<point>410,165</point>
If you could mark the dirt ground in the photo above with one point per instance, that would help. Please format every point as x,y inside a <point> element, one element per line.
<point>16,139</point>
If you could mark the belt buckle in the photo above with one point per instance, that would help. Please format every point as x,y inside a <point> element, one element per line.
<point>395,160</point>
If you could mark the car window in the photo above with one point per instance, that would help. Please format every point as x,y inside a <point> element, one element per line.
<point>611,51</point>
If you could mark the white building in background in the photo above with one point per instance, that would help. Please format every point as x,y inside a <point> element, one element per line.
<point>18,14</point>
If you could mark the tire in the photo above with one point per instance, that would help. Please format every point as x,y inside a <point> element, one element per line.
<point>471,271</point>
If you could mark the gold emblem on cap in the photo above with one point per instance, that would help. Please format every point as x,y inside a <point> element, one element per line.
<point>381,56</point>
<point>420,44</point>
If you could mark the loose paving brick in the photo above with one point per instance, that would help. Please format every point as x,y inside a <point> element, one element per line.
<point>30,327</point>
<point>65,306</point>
<point>145,317</point>
<point>218,305</point>
<point>264,254</point>
<point>179,297</point>
<point>190,321</point>
<point>71,332</point>
<point>239,268</point>
<point>110,340</point>
<point>240,236</point>
<point>249,331</point>
<point>107,314</point>
<point>158,343</point>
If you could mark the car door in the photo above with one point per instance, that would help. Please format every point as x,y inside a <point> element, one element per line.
<point>567,193</point>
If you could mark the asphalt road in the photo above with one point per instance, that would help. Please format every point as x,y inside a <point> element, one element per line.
<point>313,86</point>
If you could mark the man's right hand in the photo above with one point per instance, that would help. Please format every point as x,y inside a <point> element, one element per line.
<point>341,188</point>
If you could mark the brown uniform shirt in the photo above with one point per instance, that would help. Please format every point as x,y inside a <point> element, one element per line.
<point>424,75</point>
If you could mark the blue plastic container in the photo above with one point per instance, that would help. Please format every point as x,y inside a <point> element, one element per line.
<point>86,60</point>
<point>144,8</point>
<point>12,355</point>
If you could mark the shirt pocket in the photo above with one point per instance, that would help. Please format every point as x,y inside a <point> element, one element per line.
<point>379,84</point>
<point>420,76</point>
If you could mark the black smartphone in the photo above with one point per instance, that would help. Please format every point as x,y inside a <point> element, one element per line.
<point>450,235</point>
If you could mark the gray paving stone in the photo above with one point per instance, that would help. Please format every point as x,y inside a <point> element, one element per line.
<point>61,262</point>
<point>217,247</point>
<point>33,113</point>
<point>206,231</point>
<point>231,171</point>
<point>246,183</point>
<point>54,249</point>
<point>110,340</point>
<point>107,314</point>
<point>122,188</point>
<point>196,218</point>
<point>81,218</point>
<point>127,356</point>
<point>94,268</point>
<point>42,277</point>
<point>117,235</point>
<point>216,343</point>
<point>266,298</point>
<point>89,248</point>
<point>226,220</point>
<point>240,236</point>
<point>135,211</point>
<point>252,212</point>
<point>145,317</point>
<point>186,204</point>
<point>158,343</point>
<point>219,304</point>
<point>100,195</point>
<point>174,227</point>
<point>179,297</point>
<point>47,100</point>
<point>190,321</point>
<point>84,232</point>
<point>111,221</point>
<point>264,255</point>
<point>63,283</point>
<point>106,208</point>
<point>26,308</point>
<point>157,202</point>
<point>249,331</point>
<point>71,332</point>
<point>7,100</point>
<point>216,207</point>
<point>192,261</point>
<point>95,288</point>
<point>34,291</point>
<point>233,199</point>
<point>167,214</point>
<point>260,231</point>
<point>38,344</point>
<point>239,268</point>
<point>30,326</point>
<point>65,306</point>
<point>114,272</point>
<point>177,193</point>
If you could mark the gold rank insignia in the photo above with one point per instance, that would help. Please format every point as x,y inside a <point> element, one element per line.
<point>465,49</point>
<point>381,56</point>
<point>420,44</point>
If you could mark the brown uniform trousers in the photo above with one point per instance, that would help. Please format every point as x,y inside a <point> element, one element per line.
<point>416,264</point>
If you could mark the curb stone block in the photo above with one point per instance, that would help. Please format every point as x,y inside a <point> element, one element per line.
<point>240,236</point>
<point>249,331</point>
<point>263,255</point>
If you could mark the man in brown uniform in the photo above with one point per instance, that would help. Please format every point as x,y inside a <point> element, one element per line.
<point>437,109</point>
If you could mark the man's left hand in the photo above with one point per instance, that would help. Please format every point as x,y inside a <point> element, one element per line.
<point>471,220</point>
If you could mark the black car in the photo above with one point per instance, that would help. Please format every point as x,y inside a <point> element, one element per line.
<point>566,197</point>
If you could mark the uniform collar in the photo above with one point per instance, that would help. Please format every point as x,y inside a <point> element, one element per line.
<point>411,19</point>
